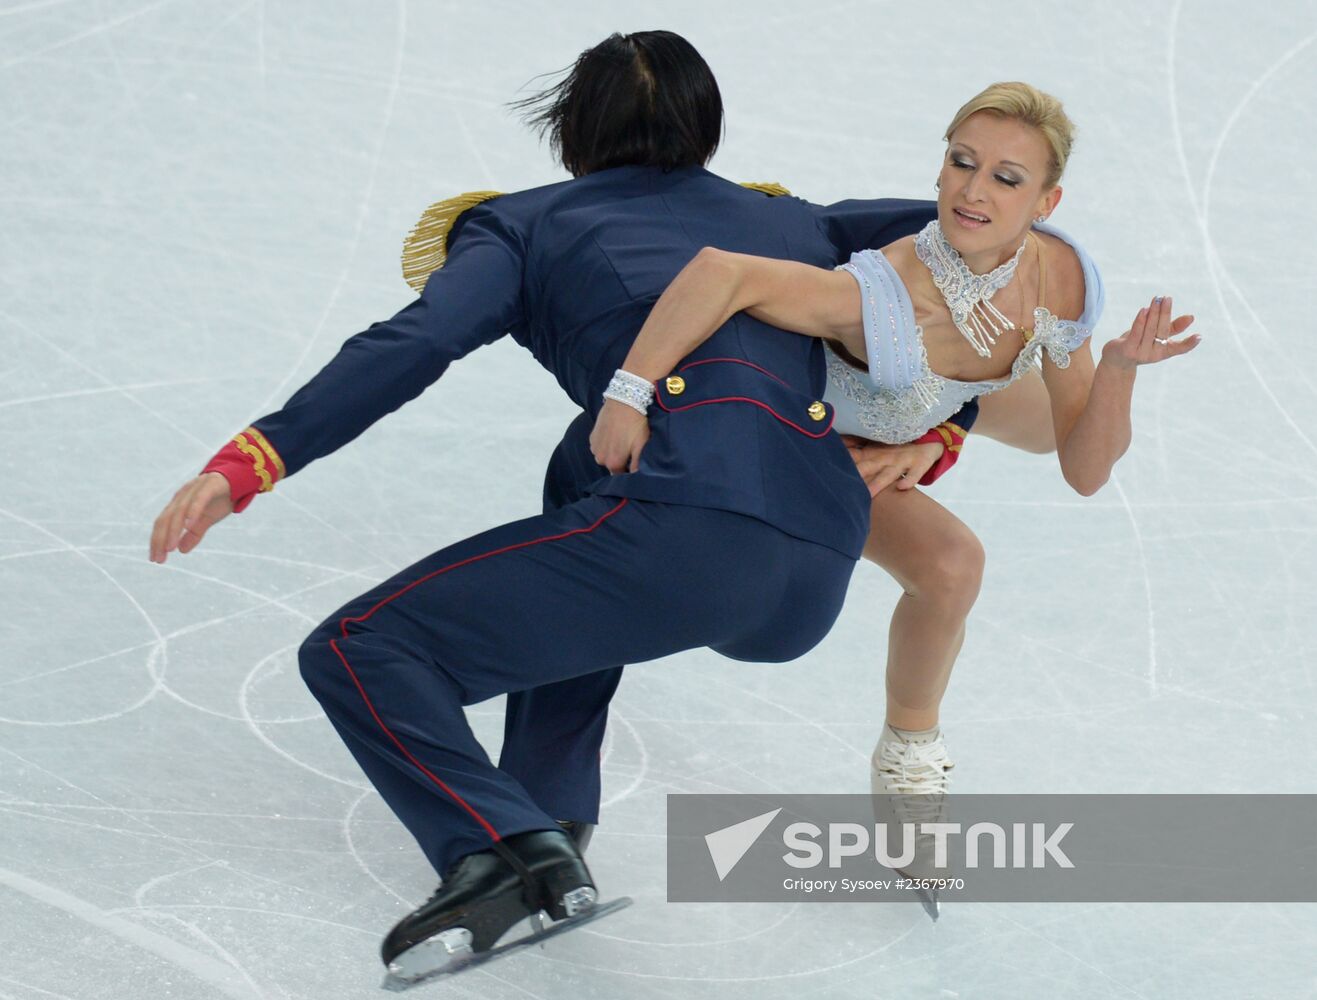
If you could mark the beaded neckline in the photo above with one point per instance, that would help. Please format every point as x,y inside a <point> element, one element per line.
<point>884,403</point>
<point>967,294</point>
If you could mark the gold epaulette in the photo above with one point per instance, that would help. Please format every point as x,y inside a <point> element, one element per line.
<point>767,187</point>
<point>426,247</point>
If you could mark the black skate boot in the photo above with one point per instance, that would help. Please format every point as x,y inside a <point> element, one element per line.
<point>579,831</point>
<point>482,897</point>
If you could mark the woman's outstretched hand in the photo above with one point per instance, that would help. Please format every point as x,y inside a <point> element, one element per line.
<point>881,465</point>
<point>1148,340</point>
<point>186,518</point>
<point>619,436</point>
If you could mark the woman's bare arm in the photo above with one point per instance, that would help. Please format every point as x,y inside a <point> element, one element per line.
<point>717,284</point>
<point>713,287</point>
<point>1091,407</point>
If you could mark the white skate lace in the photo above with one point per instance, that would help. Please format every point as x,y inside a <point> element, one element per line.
<point>910,780</point>
<point>915,779</point>
<point>910,784</point>
<point>914,768</point>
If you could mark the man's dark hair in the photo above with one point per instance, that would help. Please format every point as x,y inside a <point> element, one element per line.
<point>646,99</point>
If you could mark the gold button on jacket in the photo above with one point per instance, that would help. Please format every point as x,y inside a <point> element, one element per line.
<point>676,385</point>
<point>817,411</point>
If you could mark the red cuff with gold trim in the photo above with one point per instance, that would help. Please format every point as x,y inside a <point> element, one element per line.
<point>951,438</point>
<point>250,464</point>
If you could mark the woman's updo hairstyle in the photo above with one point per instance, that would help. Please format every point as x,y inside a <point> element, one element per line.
<point>1030,106</point>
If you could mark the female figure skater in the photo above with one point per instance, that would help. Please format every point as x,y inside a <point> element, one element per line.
<point>968,307</point>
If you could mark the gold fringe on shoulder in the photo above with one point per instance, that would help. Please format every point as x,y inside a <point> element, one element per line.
<point>426,247</point>
<point>767,187</point>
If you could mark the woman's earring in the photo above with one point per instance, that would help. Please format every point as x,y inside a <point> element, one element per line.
<point>937,185</point>
<point>1041,218</point>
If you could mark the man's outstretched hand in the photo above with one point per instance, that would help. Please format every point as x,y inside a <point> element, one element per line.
<point>183,523</point>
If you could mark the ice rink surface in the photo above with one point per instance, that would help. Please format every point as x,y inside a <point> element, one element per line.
<point>202,200</point>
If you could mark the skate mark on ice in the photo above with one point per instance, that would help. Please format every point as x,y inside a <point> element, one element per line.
<point>1147,583</point>
<point>77,393</point>
<point>139,897</point>
<point>264,603</point>
<point>84,35</point>
<point>363,207</point>
<point>219,975</point>
<point>224,954</point>
<point>703,943</point>
<point>346,826</point>
<point>222,908</point>
<point>158,650</point>
<point>642,768</point>
<point>1125,988</point>
<point>919,922</point>
<point>30,987</point>
<point>255,729</point>
<point>1216,267</point>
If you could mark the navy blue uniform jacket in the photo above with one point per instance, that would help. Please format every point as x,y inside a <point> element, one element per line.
<point>570,271</point>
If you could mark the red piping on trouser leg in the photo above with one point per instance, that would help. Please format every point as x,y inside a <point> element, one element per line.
<point>343,626</point>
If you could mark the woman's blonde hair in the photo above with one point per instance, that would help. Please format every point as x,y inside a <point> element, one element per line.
<point>1029,105</point>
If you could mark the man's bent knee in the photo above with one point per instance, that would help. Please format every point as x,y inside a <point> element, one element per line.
<point>316,659</point>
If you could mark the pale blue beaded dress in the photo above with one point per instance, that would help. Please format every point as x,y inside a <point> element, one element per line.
<point>901,397</point>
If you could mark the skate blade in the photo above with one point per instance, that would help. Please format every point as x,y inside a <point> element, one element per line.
<point>929,901</point>
<point>434,958</point>
<point>928,898</point>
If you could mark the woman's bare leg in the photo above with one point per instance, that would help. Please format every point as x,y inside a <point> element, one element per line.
<point>1019,416</point>
<point>938,562</point>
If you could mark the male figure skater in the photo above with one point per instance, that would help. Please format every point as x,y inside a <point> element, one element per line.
<point>738,531</point>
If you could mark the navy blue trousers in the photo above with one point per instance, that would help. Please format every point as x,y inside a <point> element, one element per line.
<point>600,582</point>
<point>553,734</point>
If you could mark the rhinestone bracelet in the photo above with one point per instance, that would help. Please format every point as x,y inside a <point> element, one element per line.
<point>634,391</point>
